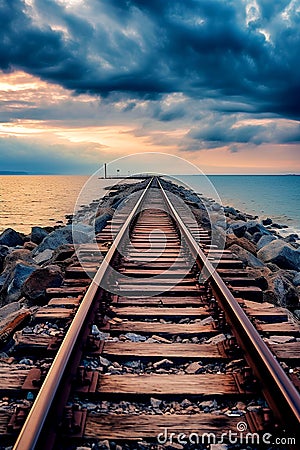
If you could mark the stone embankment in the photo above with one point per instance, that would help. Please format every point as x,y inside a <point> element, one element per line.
<point>29,264</point>
<point>273,260</point>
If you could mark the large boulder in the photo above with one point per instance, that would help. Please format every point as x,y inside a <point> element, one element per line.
<point>36,284</point>
<point>246,257</point>
<point>280,253</point>
<point>16,256</point>
<point>255,227</point>
<point>267,221</point>
<point>231,239</point>
<point>281,290</point>
<point>18,278</point>
<point>238,228</point>
<point>3,253</point>
<point>38,234</point>
<point>11,238</point>
<point>296,280</point>
<point>265,240</point>
<point>101,221</point>
<point>64,235</point>
<point>261,276</point>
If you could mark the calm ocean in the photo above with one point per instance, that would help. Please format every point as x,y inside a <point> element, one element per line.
<point>27,200</point>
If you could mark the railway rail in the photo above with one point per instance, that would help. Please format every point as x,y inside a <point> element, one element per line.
<point>154,347</point>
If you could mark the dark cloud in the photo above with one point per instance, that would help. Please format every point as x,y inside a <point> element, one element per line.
<point>35,157</point>
<point>146,49</point>
<point>218,131</point>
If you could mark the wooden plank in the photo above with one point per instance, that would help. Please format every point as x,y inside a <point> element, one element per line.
<point>154,285</point>
<point>229,263</point>
<point>133,427</point>
<point>12,377</point>
<point>133,311</point>
<point>148,272</point>
<point>285,328</point>
<point>240,281</point>
<point>202,384</point>
<point>159,301</point>
<point>286,351</point>
<point>232,273</point>
<point>67,302</point>
<point>163,328</point>
<point>65,291</point>
<point>253,293</point>
<point>54,313</point>
<point>4,420</point>
<point>157,265</point>
<point>78,282</point>
<point>156,281</point>
<point>32,340</point>
<point>161,350</point>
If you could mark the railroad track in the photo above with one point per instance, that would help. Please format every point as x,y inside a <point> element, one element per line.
<point>153,350</point>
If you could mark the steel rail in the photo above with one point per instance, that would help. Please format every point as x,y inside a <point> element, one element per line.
<point>33,426</point>
<point>279,391</point>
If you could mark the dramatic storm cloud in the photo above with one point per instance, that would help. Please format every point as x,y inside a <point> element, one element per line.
<point>186,75</point>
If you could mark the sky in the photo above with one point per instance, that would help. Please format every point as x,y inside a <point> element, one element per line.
<point>215,82</point>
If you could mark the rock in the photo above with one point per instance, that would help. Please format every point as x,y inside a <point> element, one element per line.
<point>267,221</point>
<point>103,445</point>
<point>29,245</point>
<point>265,240</point>
<point>245,256</point>
<point>10,308</point>
<point>256,227</point>
<point>296,280</point>
<point>35,286</point>
<point>186,403</point>
<point>239,228</point>
<point>241,242</point>
<point>17,256</point>
<point>163,364</point>
<point>208,404</point>
<point>291,238</point>
<point>62,236</point>
<point>63,252</point>
<point>260,276</point>
<point>3,253</point>
<point>38,234</point>
<point>230,210</point>
<point>281,339</point>
<point>155,402</point>
<point>280,253</point>
<point>281,290</point>
<point>11,238</point>
<point>132,364</point>
<point>216,339</point>
<point>218,447</point>
<point>279,226</point>
<point>44,256</point>
<point>161,339</point>
<point>193,368</point>
<point>104,362</point>
<point>20,275</point>
<point>101,221</point>
<point>133,337</point>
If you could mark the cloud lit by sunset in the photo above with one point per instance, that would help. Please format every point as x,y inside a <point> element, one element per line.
<point>214,82</point>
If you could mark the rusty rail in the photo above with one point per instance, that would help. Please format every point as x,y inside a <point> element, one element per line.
<point>33,426</point>
<point>278,389</point>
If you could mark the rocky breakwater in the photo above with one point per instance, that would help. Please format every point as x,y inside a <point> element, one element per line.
<point>273,260</point>
<point>29,264</point>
